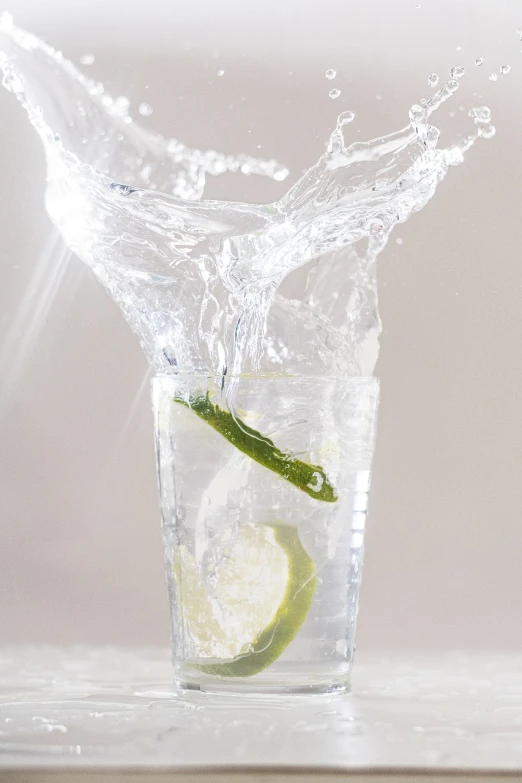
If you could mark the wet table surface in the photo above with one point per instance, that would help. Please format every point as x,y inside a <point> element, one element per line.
<point>107,709</point>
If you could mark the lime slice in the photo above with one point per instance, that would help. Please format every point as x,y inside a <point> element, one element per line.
<point>255,602</point>
<point>311,479</point>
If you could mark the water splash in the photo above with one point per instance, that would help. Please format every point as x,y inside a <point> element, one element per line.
<point>288,286</point>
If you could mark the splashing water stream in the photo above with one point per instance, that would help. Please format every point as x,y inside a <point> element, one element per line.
<point>200,281</point>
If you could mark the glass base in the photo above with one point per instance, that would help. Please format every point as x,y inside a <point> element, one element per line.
<point>269,683</point>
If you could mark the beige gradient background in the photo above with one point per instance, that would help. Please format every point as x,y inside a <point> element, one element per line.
<point>80,546</point>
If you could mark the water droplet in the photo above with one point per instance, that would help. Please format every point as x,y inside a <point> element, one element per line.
<point>399,241</point>
<point>331,73</point>
<point>279,173</point>
<point>487,131</point>
<point>433,79</point>
<point>221,72</point>
<point>481,115</point>
<point>378,97</point>
<point>457,72</point>
<point>87,59</point>
<point>505,69</point>
<point>333,94</point>
<point>145,109</point>
<point>493,77</point>
<point>344,118</point>
<point>458,48</point>
<point>479,61</point>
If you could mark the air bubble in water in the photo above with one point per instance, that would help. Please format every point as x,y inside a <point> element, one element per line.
<point>317,482</point>
<point>481,115</point>
<point>505,69</point>
<point>87,59</point>
<point>331,73</point>
<point>493,77</point>
<point>487,131</point>
<point>145,109</point>
<point>221,72</point>
<point>399,241</point>
<point>433,80</point>
<point>479,61</point>
<point>457,72</point>
<point>333,94</point>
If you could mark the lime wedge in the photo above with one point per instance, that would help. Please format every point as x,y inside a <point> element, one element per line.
<point>255,602</point>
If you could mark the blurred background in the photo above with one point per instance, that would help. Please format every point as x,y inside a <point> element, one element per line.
<point>80,547</point>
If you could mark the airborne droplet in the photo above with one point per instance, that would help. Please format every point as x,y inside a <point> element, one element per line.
<point>481,115</point>
<point>457,72</point>
<point>487,131</point>
<point>87,59</point>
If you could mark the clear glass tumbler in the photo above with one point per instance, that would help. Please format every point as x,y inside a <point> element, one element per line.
<point>264,486</point>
